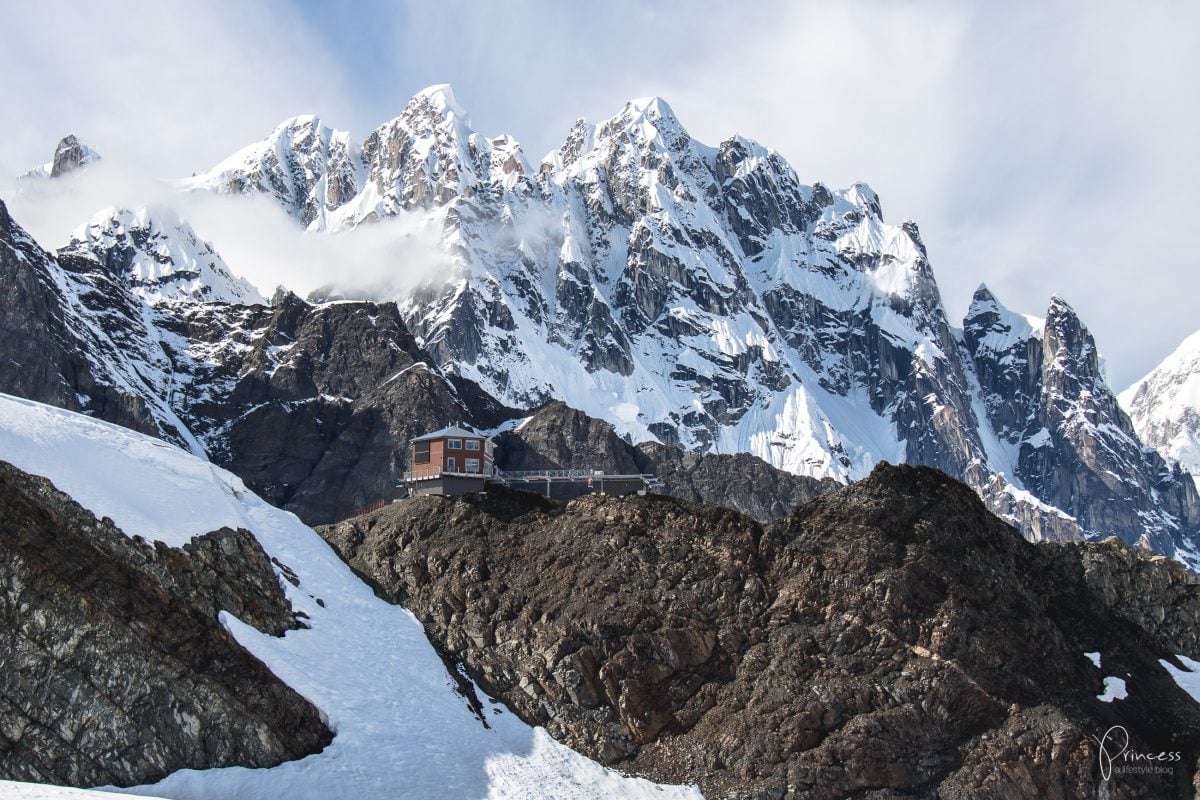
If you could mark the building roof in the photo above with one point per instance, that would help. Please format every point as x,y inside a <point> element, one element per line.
<point>454,432</point>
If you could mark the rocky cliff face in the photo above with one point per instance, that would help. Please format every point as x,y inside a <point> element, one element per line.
<point>69,156</point>
<point>312,405</point>
<point>116,668</point>
<point>157,257</point>
<point>57,353</point>
<point>890,638</point>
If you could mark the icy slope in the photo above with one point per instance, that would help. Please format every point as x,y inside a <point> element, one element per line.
<point>1164,406</point>
<point>401,727</point>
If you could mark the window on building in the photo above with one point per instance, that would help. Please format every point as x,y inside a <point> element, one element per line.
<point>488,450</point>
<point>450,464</point>
<point>473,465</point>
<point>454,444</point>
<point>420,452</point>
<point>472,444</point>
<point>487,469</point>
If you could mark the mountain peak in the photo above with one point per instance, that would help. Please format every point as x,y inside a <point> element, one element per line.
<point>652,106</point>
<point>158,256</point>
<point>441,98</point>
<point>70,154</point>
<point>1060,309</point>
<point>297,123</point>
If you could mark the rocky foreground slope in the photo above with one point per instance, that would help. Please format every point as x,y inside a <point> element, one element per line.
<point>115,667</point>
<point>891,638</point>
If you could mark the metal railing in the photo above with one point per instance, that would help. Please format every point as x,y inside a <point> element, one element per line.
<point>544,476</point>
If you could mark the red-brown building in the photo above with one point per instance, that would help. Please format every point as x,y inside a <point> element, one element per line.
<point>450,461</point>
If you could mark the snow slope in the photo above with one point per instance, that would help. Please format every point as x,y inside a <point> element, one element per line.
<point>402,730</point>
<point>1164,406</point>
<point>17,790</point>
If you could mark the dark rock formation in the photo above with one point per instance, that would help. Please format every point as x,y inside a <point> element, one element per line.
<point>557,436</point>
<point>115,669</point>
<point>739,481</point>
<point>70,155</point>
<point>49,353</point>
<point>890,639</point>
<point>313,406</point>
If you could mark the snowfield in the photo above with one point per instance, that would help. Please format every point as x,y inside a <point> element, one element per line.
<point>401,728</point>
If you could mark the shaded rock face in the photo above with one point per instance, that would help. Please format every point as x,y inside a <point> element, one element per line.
<point>115,667</point>
<point>739,481</point>
<point>69,155</point>
<point>54,356</point>
<point>557,436</point>
<point>892,638</point>
<point>313,406</point>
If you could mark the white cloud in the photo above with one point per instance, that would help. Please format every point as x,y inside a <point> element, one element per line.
<point>254,236</point>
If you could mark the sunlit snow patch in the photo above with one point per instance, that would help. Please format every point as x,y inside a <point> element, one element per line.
<point>1189,681</point>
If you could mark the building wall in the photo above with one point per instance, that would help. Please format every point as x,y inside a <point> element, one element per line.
<point>448,486</point>
<point>436,460</point>
<point>440,455</point>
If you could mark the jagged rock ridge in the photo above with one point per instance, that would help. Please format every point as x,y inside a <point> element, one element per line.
<point>70,155</point>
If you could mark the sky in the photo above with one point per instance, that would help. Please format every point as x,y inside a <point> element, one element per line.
<point>1042,147</point>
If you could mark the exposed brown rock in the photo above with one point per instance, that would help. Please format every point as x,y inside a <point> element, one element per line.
<point>115,669</point>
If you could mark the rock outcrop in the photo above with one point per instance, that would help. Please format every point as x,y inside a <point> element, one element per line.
<point>311,405</point>
<point>116,669</point>
<point>557,436</point>
<point>890,638</point>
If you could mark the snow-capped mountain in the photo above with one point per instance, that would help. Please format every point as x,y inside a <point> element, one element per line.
<point>705,296</point>
<point>158,257</point>
<point>310,404</point>
<point>1164,406</point>
<point>308,168</point>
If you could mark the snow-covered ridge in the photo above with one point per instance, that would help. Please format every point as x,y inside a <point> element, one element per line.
<point>364,663</point>
<point>158,257</point>
<point>1164,406</point>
